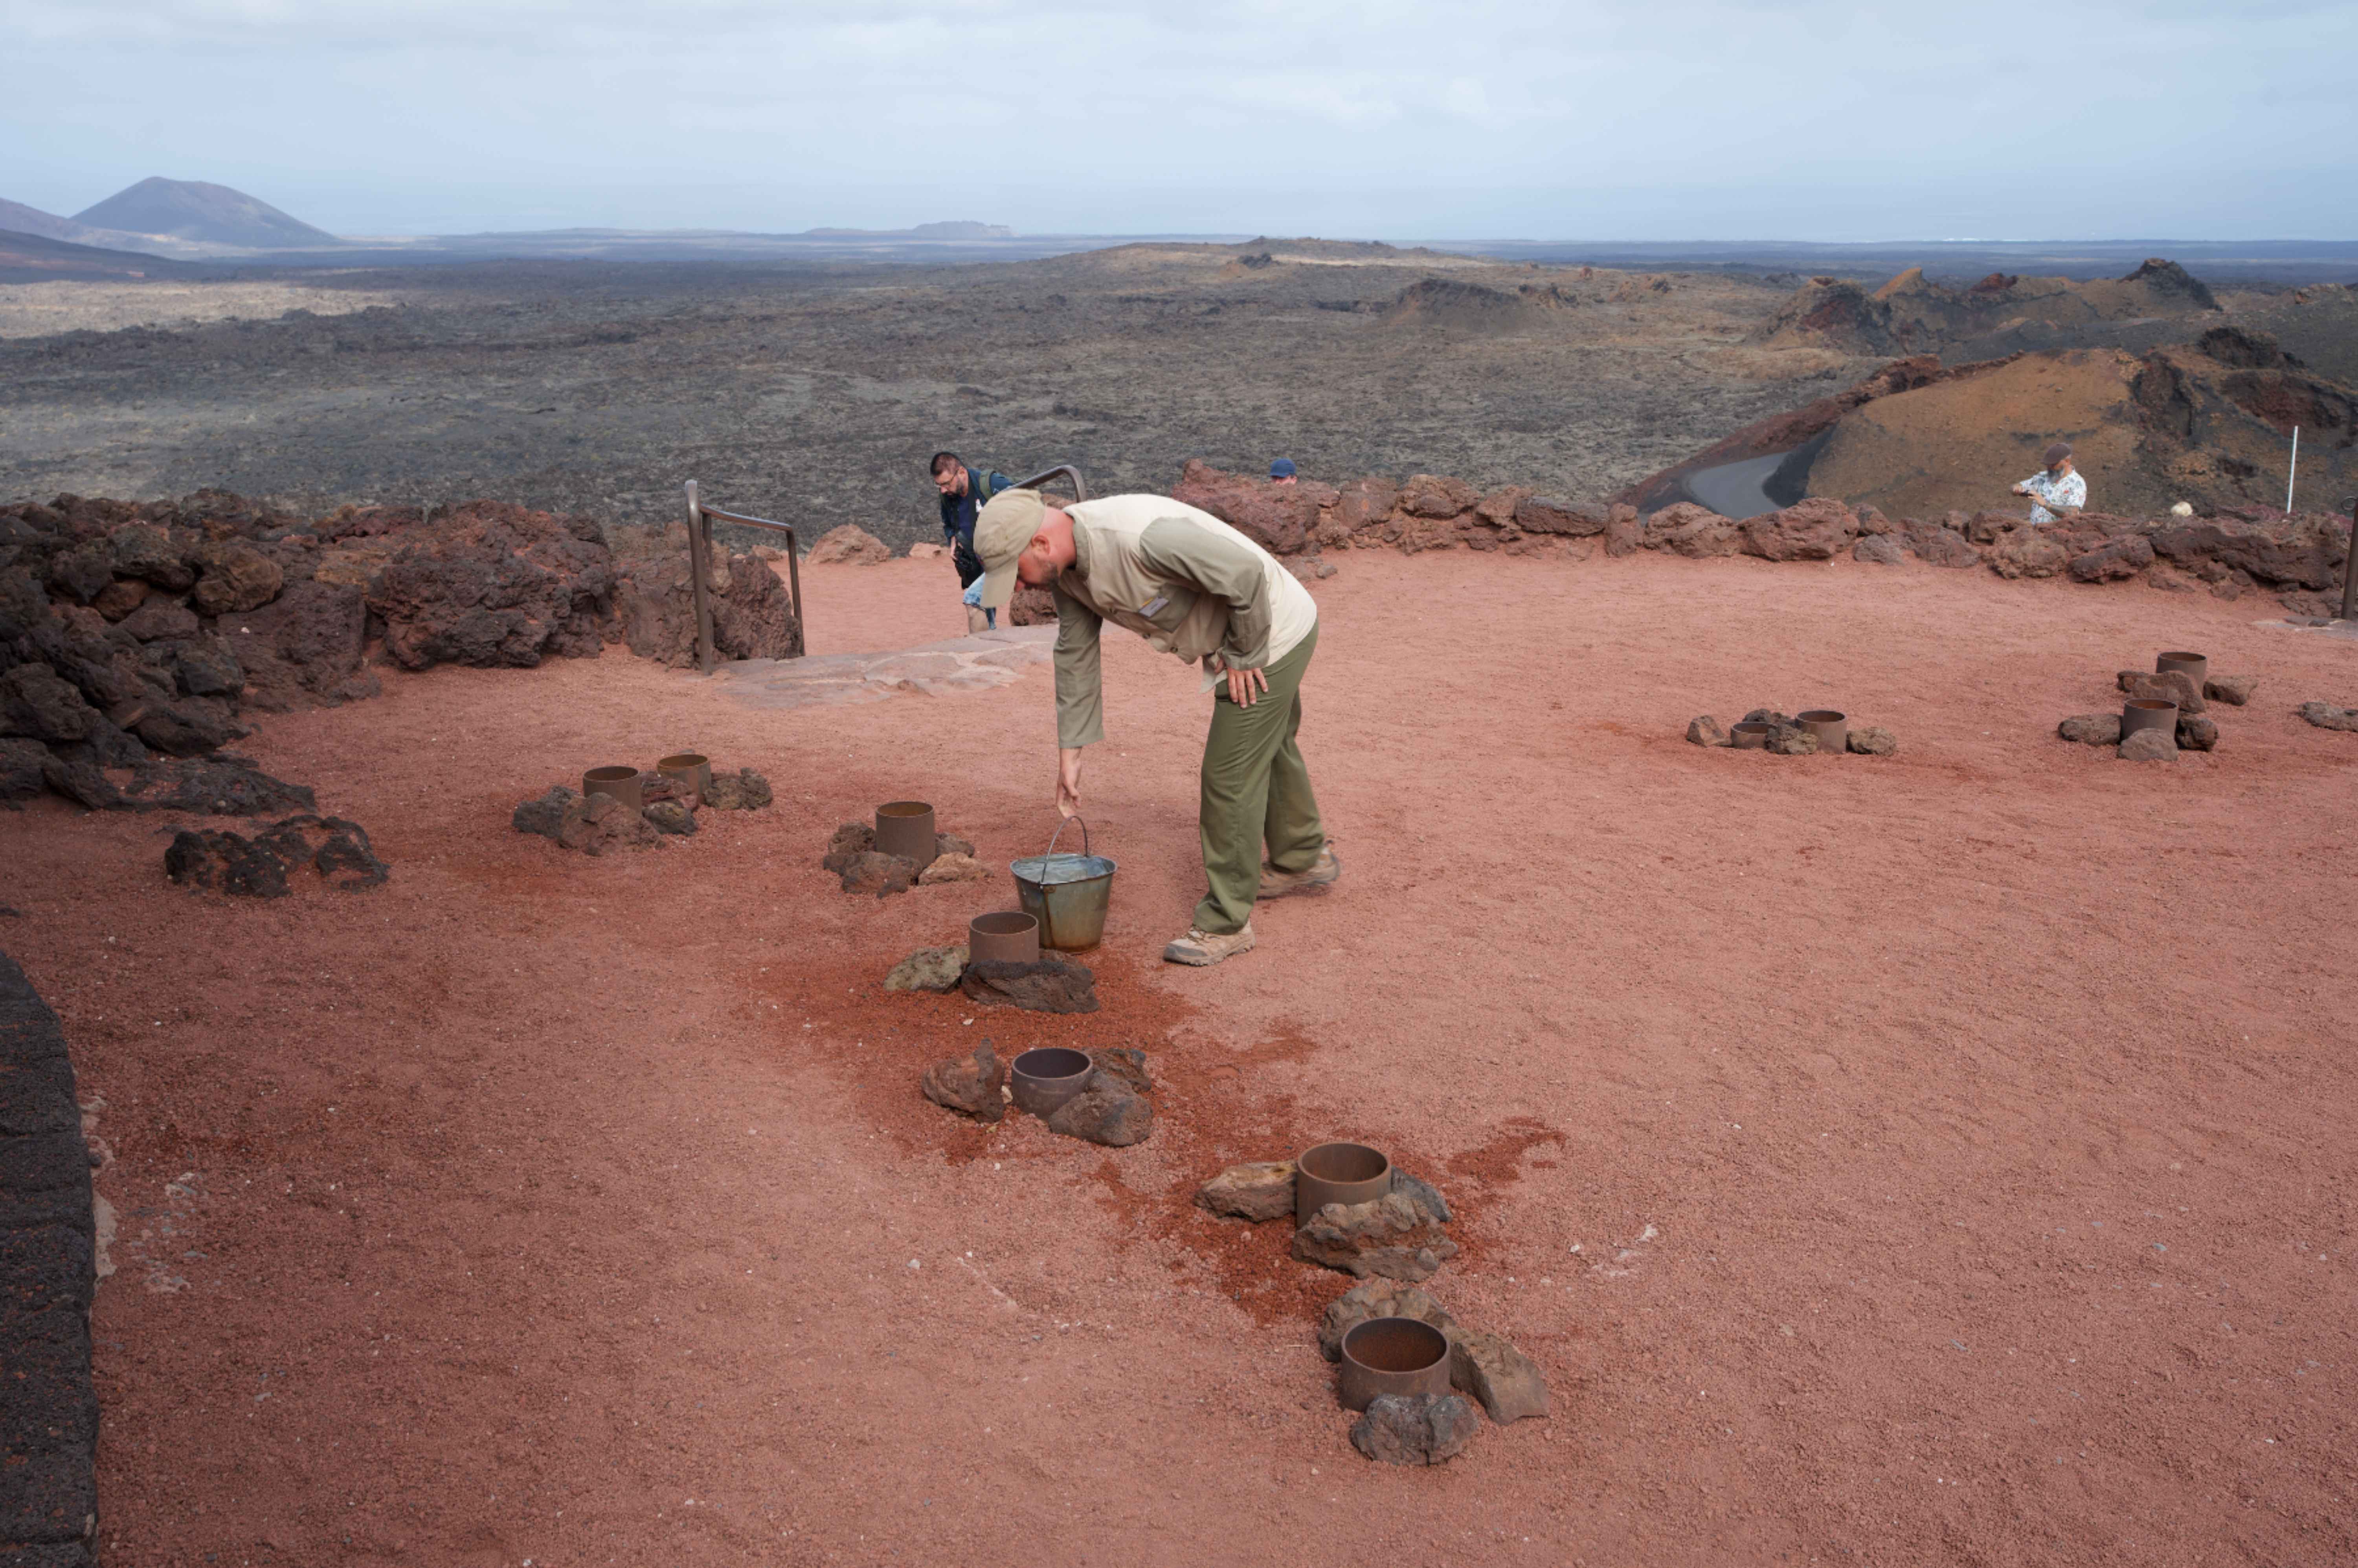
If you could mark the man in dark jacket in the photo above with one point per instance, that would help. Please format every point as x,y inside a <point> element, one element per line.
<point>965,490</point>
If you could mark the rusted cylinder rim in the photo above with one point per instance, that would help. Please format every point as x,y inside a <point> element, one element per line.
<point>906,827</point>
<point>624,783</point>
<point>1392,1355</point>
<point>2196,664</point>
<point>2147,713</point>
<point>1822,716</point>
<point>1003,936</point>
<point>1830,727</point>
<point>1338,1172</point>
<point>1044,1078</point>
<point>1749,736</point>
<point>905,809</point>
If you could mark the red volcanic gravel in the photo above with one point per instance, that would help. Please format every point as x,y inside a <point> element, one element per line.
<point>1938,1159</point>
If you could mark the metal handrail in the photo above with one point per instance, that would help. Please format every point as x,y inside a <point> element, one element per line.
<point>699,557</point>
<point>1080,486</point>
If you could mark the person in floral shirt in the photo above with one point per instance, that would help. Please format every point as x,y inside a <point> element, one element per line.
<point>2058,486</point>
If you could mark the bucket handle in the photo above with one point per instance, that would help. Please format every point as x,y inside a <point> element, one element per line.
<point>1060,833</point>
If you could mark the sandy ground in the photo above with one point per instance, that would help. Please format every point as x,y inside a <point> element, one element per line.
<point>41,309</point>
<point>1956,1147</point>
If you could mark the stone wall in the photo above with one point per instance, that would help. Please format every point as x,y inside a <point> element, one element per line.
<point>48,1409</point>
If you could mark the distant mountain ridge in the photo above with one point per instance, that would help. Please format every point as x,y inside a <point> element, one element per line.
<point>209,215</point>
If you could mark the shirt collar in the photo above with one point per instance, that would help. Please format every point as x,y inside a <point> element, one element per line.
<point>1082,550</point>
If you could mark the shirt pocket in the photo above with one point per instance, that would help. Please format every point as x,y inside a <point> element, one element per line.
<point>1168,609</point>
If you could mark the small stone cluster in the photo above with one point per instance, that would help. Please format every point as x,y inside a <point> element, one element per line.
<point>851,854</point>
<point>1789,737</point>
<point>337,850</point>
<point>1396,1236</point>
<point>2194,731</point>
<point>596,823</point>
<point>1052,984</point>
<point>1111,1110</point>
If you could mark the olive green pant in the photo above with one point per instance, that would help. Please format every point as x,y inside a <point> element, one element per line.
<point>1255,790</point>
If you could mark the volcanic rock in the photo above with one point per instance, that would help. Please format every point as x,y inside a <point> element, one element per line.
<point>160,619</point>
<point>848,544</point>
<point>1126,1063</point>
<point>2092,728</point>
<point>2161,686</point>
<point>1393,1236</point>
<point>81,783</point>
<point>1623,534</point>
<point>1943,547</point>
<point>1812,530</point>
<point>83,571</point>
<point>743,790</point>
<point>2325,716</point>
<point>235,864</point>
<point>2114,562</point>
<point>107,745</point>
<point>1793,741</point>
<point>1257,1190</point>
<point>21,775</point>
<point>1106,1111</point>
<point>236,576</point>
<point>951,844</point>
<point>546,816</point>
<point>203,666</point>
<point>2196,733</point>
<point>953,869</point>
<point>337,848</point>
<point>34,701</point>
<point>883,875</point>
<point>144,551</point>
<point>1052,985</point>
<point>311,636</point>
<point>928,969</point>
<point>1699,537</point>
<point>224,785</point>
<point>1360,509</point>
<point>848,842</point>
<point>670,817</point>
<point>1491,1370</point>
<point>185,729</point>
<point>2027,553</point>
<point>1536,515</point>
<point>1873,741</point>
<point>1706,731</point>
<point>969,1084</point>
<point>654,599</point>
<point>495,585</point>
<point>1423,1193</point>
<point>1376,1298</point>
<point>1423,1429</point>
<point>2233,690</point>
<point>2150,746</point>
<point>1879,549</point>
<point>1436,496</point>
<point>119,598</point>
<point>1769,716</point>
<point>598,824</point>
<point>1280,518</point>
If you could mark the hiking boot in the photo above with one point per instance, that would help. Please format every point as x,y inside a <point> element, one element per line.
<point>1322,872</point>
<point>1203,949</point>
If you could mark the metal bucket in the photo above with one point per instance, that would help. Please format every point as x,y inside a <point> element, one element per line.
<point>1345,1174</point>
<point>906,827</point>
<point>623,784</point>
<point>1392,1355</point>
<point>2146,713</point>
<point>1066,893</point>
<point>1007,937</point>
<point>2196,665</point>
<point>692,769</point>
<point>1832,729</point>
<point>1041,1081</point>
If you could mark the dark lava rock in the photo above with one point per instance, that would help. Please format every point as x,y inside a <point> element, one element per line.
<point>1423,1193</point>
<point>236,576</point>
<point>1052,985</point>
<point>224,784</point>
<point>743,790</point>
<point>1125,1063</point>
<point>848,842</point>
<point>969,1085</point>
<point>596,823</point>
<point>2116,561</point>
<point>2092,728</point>
<point>2150,746</point>
<point>205,667</point>
<point>119,598</point>
<point>671,817</point>
<point>1393,1236</point>
<point>1793,741</point>
<point>2233,690</point>
<point>883,875</point>
<point>160,620</point>
<point>1706,731</point>
<point>546,816</point>
<point>144,551</point>
<point>1491,1370</point>
<point>2196,733</point>
<point>1767,716</point>
<point>2325,716</point>
<point>1106,1111</point>
<point>492,584</point>
<point>2162,686</point>
<point>1879,549</point>
<point>35,701</point>
<point>83,571</point>
<point>1377,1298</point>
<point>213,859</point>
<point>21,765</point>
<point>654,601</point>
<point>190,728</point>
<point>83,782</point>
<point>1536,515</point>
<point>1423,1429</point>
<point>1814,529</point>
<point>951,844</point>
<point>337,848</point>
<point>107,746</point>
<point>1257,1190</point>
<point>1940,547</point>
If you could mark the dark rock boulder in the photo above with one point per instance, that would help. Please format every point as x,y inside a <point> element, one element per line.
<point>1937,545</point>
<point>234,864</point>
<point>655,597</point>
<point>81,783</point>
<point>159,619</point>
<point>494,585</point>
<point>1573,519</point>
<point>1879,549</point>
<point>21,765</point>
<point>743,790</point>
<point>847,844</point>
<point>2326,716</point>
<point>1422,1429</point>
<point>34,701</point>
<point>1502,1377</point>
<point>1377,1298</point>
<point>224,785</point>
<point>1706,731</point>
<point>1815,529</point>
<point>969,1084</point>
<point>1107,1111</point>
<point>337,848</point>
<point>235,577</point>
<point>1437,497</point>
<point>599,824</point>
<point>1280,518</point>
<point>150,553</point>
<point>2161,686</point>
<point>188,728</point>
<point>1052,985</point>
<point>2092,728</point>
<point>1393,1236</point>
<point>2196,733</point>
<point>545,816</point>
<point>204,666</point>
<point>2233,690</point>
<point>1125,1063</point>
<point>2114,562</point>
<point>671,817</point>
<point>83,571</point>
<point>883,875</point>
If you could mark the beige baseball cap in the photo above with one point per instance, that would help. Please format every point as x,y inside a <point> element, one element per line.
<point>1001,529</point>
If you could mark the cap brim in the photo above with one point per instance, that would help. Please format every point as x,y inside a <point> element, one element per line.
<point>999,586</point>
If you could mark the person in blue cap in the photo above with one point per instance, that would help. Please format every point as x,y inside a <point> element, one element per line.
<point>1281,471</point>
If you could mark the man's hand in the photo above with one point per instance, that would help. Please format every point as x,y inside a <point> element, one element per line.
<point>2022,490</point>
<point>1069,781</point>
<point>1245,686</point>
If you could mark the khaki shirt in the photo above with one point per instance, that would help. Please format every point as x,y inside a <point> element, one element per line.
<point>1180,578</point>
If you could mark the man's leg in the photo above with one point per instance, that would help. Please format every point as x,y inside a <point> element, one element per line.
<point>1289,823</point>
<point>1239,758</point>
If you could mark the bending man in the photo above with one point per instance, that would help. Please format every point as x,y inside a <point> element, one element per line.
<point>1195,587</point>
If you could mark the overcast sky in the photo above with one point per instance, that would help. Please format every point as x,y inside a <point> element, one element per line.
<point>1672,119</point>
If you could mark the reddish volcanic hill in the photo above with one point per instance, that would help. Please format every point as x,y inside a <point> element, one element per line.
<point>1911,314</point>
